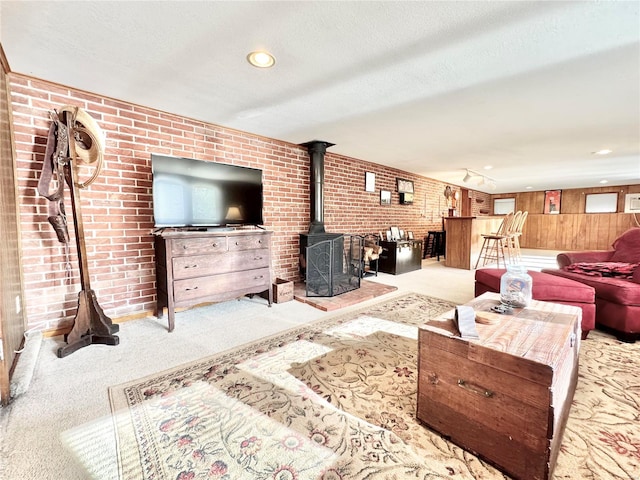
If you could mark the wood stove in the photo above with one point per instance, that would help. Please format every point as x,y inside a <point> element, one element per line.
<point>329,262</point>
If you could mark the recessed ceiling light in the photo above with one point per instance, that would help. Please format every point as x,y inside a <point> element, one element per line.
<point>488,167</point>
<point>604,181</point>
<point>261,59</point>
<point>604,151</point>
<point>529,187</point>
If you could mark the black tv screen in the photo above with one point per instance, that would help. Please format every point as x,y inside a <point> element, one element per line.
<point>196,193</point>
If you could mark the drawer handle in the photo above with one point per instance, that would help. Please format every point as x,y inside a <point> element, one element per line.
<point>189,289</point>
<point>191,266</point>
<point>257,258</point>
<point>257,277</point>
<point>214,244</point>
<point>475,388</point>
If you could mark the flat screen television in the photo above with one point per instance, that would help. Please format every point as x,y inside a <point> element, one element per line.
<point>197,193</point>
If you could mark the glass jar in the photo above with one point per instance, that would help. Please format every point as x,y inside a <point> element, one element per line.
<point>515,287</point>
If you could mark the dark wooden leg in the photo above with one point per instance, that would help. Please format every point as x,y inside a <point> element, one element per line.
<point>626,337</point>
<point>171,313</point>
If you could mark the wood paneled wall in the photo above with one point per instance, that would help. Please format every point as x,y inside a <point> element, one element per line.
<point>572,228</point>
<point>12,323</point>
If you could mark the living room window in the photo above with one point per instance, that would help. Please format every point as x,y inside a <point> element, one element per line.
<point>601,203</point>
<point>502,206</point>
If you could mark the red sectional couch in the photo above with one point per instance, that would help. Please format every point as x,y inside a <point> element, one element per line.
<point>615,276</point>
<point>548,288</point>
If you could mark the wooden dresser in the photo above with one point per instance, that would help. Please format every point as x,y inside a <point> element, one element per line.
<point>198,267</point>
<point>506,396</point>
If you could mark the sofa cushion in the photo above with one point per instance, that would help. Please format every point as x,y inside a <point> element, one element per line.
<point>548,288</point>
<point>615,290</point>
<point>627,247</point>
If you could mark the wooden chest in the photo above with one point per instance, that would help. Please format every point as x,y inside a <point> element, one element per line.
<point>400,257</point>
<point>505,397</point>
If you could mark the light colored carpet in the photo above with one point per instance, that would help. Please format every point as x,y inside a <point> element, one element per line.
<point>336,400</point>
<point>69,395</point>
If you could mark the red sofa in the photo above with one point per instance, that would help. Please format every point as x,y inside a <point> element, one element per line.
<point>548,288</point>
<point>615,276</point>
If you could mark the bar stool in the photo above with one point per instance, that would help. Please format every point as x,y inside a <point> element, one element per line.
<point>494,244</point>
<point>514,234</point>
<point>435,244</point>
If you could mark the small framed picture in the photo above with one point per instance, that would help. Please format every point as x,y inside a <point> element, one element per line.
<point>369,182</point>
<point>410,235</point>
<point>395,233</point>
<point>385,197</point>
<point>389,237</point>
<point>552,201</point>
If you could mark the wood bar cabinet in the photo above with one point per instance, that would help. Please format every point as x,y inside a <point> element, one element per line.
<point>464,239</point>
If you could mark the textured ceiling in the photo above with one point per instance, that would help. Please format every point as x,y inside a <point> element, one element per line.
<point>531,88</point>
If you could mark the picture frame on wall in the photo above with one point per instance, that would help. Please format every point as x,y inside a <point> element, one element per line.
<point>404,186</point>
<point>385,197</point>
<point>410,235</point>
<point>369,182</point>
<point>552,201</point>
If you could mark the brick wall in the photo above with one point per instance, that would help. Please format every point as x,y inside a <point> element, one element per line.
<point>117,208</point>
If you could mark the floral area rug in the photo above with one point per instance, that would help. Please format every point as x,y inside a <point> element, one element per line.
<point>336,400</point>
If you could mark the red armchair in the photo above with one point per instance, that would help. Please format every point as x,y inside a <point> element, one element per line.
<point>615,276</point>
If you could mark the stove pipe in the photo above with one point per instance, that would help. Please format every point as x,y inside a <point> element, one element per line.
<point>317,149</point>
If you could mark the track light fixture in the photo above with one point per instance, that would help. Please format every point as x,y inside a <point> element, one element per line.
<point>483,180</point>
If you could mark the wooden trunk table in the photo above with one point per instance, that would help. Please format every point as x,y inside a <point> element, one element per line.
<point>505,397</point>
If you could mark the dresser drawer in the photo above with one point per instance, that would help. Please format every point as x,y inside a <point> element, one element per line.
<point>221,285</point>
<point>247,242</point>
<point>202,265</point>
<point>198,246</point>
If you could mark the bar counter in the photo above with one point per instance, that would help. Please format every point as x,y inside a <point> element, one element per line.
<point>464,239</point>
